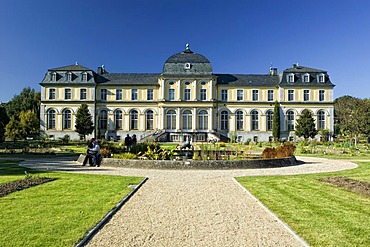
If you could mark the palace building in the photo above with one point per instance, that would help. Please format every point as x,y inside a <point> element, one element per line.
<point>187,101</point>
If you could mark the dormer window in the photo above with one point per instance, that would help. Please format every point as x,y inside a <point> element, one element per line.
<point>53,76</point>
<point>69,76</point>
<point>306,78</point>
<point>84,76</point>
<point>290,78</point>
<point>321,78</point>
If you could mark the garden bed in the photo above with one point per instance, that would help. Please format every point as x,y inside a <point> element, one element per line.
<point>18,185</point>
<point>353,185</point>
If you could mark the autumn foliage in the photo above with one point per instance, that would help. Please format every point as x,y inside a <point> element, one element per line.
<point>284,151</point>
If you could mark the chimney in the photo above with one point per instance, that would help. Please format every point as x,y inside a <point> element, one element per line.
<point>101,70</point>
<point>273,71</point>
<point>295,65</point>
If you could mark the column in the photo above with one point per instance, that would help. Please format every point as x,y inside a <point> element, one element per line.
<point>179,89</point>
<point>195,90</point>
<point>162,84</point>
<point>211,90</point>
<point>210,119</point>
<point>194,124</point>
<point>178,119</point>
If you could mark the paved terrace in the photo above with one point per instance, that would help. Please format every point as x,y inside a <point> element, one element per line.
<point>194,207</point>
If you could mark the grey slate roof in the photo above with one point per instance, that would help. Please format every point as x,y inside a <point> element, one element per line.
<point>187,56</point>
<point>71,68</point>
<point>128,79</point>
<point>247,80</point>
<point>299,71</point>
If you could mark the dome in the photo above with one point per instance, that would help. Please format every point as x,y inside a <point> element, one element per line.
<point>187,63</point>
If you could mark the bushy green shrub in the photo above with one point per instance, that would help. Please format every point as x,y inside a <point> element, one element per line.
<point>157,154</point>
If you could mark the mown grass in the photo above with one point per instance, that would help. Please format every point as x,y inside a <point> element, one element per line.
<point>322,214</point>
<point>57,213</point>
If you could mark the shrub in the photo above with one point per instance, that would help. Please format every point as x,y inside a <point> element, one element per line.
<point>105,152</point>
<point>222,144</point>
<point>65,139</point>
<point>127,156</point>
<point>269,153</point>
<point>284,151</point>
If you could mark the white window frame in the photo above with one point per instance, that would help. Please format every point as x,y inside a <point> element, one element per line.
<point>255,95</point>
<point>306,92</point>
<point>83,92</point>
<point>69,93</point>
<point>270,95</point>
<point>149,94</point>
<point>187,94</point>
<point>290,78</point>
<point>306,78</point>
<point>321,95</point>
<point>171,94</point>
<point>119,94</point>
<point>239,94</point>
<point>134,94</point>
<point>290,94</point>
<point>203,94</point>
<point>224,94</point>
<point>54,93</point>
<point>103,94</point>
<point>321,78</point>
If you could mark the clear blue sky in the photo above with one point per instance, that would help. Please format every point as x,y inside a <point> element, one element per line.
<point>237,36</point>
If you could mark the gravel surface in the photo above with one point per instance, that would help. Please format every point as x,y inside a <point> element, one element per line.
<point>195,207</point>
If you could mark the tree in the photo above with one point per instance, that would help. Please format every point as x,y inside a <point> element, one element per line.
<point>28,99</point>
<point>29,124</point>
<point>306,125</point>
<point>276,122</point>
<point>4,120</point>
<point>344,112</point>
<point>84,124</point>
<point>13,129</point>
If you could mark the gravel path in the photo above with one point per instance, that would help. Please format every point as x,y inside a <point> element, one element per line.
<point>195,207</point>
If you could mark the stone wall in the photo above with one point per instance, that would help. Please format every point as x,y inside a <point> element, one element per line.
<point>197,164</point>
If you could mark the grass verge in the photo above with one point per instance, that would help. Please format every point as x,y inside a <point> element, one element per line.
<point>322,214</point>
<point>57,213</point>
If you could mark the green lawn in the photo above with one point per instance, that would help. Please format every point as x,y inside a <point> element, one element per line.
<point>57,213</point>
<point>320,213</point>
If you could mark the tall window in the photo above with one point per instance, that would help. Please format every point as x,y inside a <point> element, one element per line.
<point>270,95</point>
<point>224,121</point>
<point>320,120</point>
<point>171,94</point>
<point>321,78</point>
<point>54,76</point>
<point>67,93</point>
<point>51,119</point>
<point>69,76</point>
<point>51,93</point>
<point>203,120</point>
<point>290,78</point>
<point>67,119</point>
<point>290,120</point>
<point>255,95</point>
<point>103,94</point>
<point>321,95</point>
<point>118,119</point>
<point>149,115</point>
<point>134,94</point>
<point>83,93</point>
<point>84,76</point>
<point>254,120</point>
<point>239,94</point>
<point>203,94</point>
<point>103,119</point>
<point>187,94</point>
<point>239,120</point>
<point>290,95</point>
<point>223,94</point>
<point>269,119</point>
<point>306,95</point>
<point>186,120</point>
<point>134,117</point>
<point>118,94</point>
<point>171,119</point>
<point>149,94</point>
<point>306,78</point>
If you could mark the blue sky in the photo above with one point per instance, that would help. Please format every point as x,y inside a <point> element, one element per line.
<point>237,36</point>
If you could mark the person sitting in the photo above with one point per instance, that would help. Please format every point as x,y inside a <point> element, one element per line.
<point>89,155</point>
<point>96,152</point>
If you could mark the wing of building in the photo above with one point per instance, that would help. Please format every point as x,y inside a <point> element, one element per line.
<point>187,100</point>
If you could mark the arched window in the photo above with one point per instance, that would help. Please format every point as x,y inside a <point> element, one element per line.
<point>149,115</point>
<point>203,120</point>
<point>51,119</point>
<point>118,119</point>
<point>171,119</point>
<point>103,119</point>
<point>224,120</point>
<point>269,119</point>
<point>134,116</point>
<point>254,120</point>
<point>239,120</point>
<point>290,120</point>
<point>320,120</point>
<point>187,120</point>
<point>67,119</point>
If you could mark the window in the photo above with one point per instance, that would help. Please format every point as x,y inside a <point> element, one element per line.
<point>84,76</point>
<point>223,94</point>
<point>118,94</point>
<point>290,78</point>
<point>321,78</point>
<point>69,76</point>
<point>67,119</point>
<point>203,94</point>
<point>171,119</point>
<point>118,119</point>
<point>203,120</point>
<point>171,94</point>
<point>254,119</point>
<point>53,76</point>
<point>187,94</point>
<point>83,93</point>
<point>306,95</point>
<point>321,95</point>
<point>320,120</point>
<point>103,94</point>
<point>103,119</point>
<point>290,120</point>
<point>270,95</point>
<point>255,95</point>
<point>269,119</point>
<point>149,115</point>
<point>67,93</point>
<point>239,120</point>
<point>51,119</point>
<point>203,83</point>
<point>306,78</point>
<point>51,93</point>
<point>290,95</point>
<point>134,116</point>
<point>186,120</point>
<point>239,94</point>
<point>134,94</point>
<point>149,94</point>
<point>224,120</point>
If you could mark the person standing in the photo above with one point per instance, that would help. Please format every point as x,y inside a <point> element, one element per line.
<point>128,142</point>
<point>133,140</point>
<point>96,152</point>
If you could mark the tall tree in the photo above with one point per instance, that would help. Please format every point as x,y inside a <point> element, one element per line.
<point>29,123</point>
<point>84,124</point>
<point>344,112</point>
<point>13,129</point>
<point>4,120</point>
<point>28,99</point>
<point>276,122</point>
<point>306,125</point>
